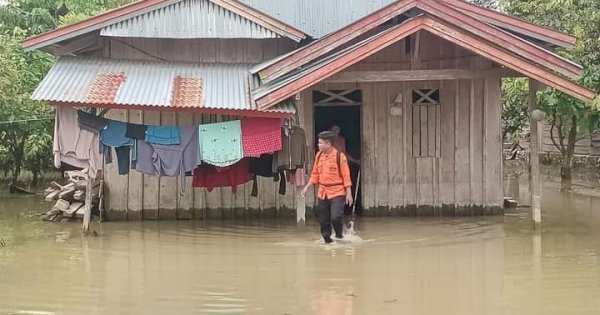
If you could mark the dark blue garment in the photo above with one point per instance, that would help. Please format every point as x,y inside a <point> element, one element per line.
<point>123,159</point>
<point>113,135</point>
<point>168,135</point>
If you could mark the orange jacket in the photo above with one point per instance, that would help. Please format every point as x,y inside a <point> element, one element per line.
<point>325,173</point>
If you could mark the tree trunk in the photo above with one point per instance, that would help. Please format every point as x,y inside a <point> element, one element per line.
<point>566,176</point>
<point>17,168</point>
<point>35,170</point>
<point>18,153</point>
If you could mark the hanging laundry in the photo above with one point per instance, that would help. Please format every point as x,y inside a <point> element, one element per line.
<point>113,135</point>
<point>170,160</point>
<point>263,166</point>
<point>91,122</point>
<point>261,135</point>
<point>210,177</point>
<point>136,131</point>
<point>221,143</point>
<point>168,135</point>
<point>293,153</point>
<point>74,145</point>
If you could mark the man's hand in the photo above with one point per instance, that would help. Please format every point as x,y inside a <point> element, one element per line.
<point>349,199</point>
<point>303,192</point>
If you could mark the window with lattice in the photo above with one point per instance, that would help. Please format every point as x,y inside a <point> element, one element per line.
<point>425,122</point>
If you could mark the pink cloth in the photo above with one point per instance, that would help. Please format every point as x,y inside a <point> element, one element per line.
<point>73,145</point>
<point>296,177</point>
<point>260,136</point>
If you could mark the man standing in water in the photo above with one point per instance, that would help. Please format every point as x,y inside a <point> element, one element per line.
<point>331,172</point>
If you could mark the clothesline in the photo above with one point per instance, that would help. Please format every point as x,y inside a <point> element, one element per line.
<point>6,122</point>
<point>216,154</point>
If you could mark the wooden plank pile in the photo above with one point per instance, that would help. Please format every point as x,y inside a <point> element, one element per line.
<point>69,199</point>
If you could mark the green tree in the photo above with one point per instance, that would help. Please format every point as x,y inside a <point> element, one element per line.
<point>20,116</point>
<point>568,116</point>
<point>514,107</point>
<point>25,131</point>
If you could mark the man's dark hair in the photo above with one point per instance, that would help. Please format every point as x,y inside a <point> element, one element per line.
<point>326,136</point>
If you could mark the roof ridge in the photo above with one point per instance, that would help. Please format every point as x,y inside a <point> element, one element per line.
<point>272,70</point>
<point>144,6</point>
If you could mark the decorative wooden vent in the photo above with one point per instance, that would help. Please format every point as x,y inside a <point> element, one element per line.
<point>425,122</point>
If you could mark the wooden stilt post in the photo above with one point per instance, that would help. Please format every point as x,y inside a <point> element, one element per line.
<point>87,216</point>
<point>535,185</point>
<point>300,207</point>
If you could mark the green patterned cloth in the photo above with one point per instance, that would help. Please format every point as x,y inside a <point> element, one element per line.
<point>221,143</point>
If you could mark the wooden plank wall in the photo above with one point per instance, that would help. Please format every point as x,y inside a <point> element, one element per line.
<point>137,196</point>
<point>588,145</point>
<point>465,176</point>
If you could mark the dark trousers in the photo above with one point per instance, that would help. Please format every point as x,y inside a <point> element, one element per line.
<point>330,213</point>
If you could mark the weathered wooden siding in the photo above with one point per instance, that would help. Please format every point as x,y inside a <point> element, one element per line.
<point>464,176</point>
<point>137,196</point>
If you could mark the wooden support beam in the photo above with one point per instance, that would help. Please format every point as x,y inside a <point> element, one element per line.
<point>535,188</point>
<point>88,204</point>
<point>418,75</point>
<point>87,42</point>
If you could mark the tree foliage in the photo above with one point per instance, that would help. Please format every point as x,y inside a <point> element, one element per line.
<point>568,117</point>
<point>514,107</point>
<point>26,142</point>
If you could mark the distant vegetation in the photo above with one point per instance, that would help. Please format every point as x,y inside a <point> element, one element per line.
<point>25,125</point>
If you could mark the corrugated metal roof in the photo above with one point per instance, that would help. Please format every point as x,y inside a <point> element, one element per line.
<point>318,17</point>
<point>189,19</point>
<point>266,89</point>
<point>96,81</point>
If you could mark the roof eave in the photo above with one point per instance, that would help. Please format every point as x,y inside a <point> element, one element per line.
<point>448,32</point>
<point>272,70</point>
<point>515,24</point>
<point>205,110</point>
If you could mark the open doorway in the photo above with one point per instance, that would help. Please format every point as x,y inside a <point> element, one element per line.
<point>342,108</point>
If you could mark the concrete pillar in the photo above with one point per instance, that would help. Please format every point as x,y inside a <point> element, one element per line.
<point>535,188</point>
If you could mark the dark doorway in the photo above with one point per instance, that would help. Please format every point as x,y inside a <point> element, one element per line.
<point>348,117</point>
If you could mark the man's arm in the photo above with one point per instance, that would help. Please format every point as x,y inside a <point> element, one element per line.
<point>350,158</point>
<point>314,179</point>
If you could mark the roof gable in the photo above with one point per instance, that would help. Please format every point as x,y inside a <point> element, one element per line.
<point>319,18</point>
<point>144,7</point>
<point>444,9</point>
<point>189,19</point>
<point>317,70</point>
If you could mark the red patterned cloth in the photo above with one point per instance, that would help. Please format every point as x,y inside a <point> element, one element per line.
<point>209,176</point>
<point>260,136</point>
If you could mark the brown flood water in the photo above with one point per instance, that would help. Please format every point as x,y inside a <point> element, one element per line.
<point>493,265</point>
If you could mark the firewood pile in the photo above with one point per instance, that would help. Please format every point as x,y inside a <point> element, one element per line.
<point>69,199</point>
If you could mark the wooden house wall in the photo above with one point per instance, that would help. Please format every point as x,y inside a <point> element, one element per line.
<point>466,178</point>
<point>137,196</point>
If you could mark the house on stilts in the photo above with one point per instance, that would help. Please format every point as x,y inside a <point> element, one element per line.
<point>414,84</point>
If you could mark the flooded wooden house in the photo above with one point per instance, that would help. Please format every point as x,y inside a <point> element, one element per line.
<point>415,86</point>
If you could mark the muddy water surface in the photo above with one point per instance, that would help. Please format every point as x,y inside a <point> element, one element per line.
<point>494,265</point>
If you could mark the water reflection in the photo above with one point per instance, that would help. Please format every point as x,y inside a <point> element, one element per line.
<point>494,265</point>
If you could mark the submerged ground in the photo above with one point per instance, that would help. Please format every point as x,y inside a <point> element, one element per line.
<point>483,265</point>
